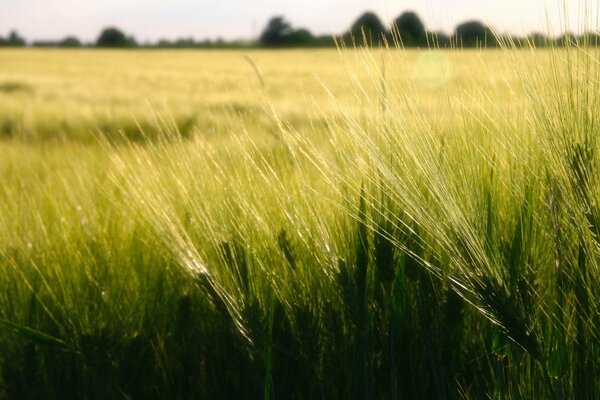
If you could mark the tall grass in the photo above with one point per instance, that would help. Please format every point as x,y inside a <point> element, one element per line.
<point>426,239</point>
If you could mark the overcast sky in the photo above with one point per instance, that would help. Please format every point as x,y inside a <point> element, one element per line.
<point>230,19</point>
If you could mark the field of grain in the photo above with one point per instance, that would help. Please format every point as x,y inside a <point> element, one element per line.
<point>369,224</point>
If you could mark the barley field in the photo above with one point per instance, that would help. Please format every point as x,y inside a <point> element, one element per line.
<point>300,224</point>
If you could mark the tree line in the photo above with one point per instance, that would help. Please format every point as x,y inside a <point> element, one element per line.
<point>407,30</point>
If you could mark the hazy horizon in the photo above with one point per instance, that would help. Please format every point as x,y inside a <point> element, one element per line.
<point>236,19</point>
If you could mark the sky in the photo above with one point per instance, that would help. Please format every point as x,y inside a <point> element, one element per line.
<point>149,20</point>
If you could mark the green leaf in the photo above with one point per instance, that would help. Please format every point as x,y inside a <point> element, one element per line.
<point>34,335</point>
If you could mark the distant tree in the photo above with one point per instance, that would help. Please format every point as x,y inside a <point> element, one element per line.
<point>274,33</point>
<point>536,40</point>
<point>13,40</point>
<point>324,41</point>
<point>183,43</point>
<point>371,25</point>
<point>474,33</point>
<point>43,43</point>
<point>279,33</point>
<point>410,29</point>
<point>299,38</point>
<point>439,39</point>
<point>113,37</point>
<point>70,41</point>
<point>566,39</point>
<point>164,43</point>
<point>586,39</point>
<point>590,39</point>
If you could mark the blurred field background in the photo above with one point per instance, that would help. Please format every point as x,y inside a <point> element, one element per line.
<point>79,95</point>
<point>299,224</point>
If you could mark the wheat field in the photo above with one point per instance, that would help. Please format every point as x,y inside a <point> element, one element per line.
<point>352,223</point>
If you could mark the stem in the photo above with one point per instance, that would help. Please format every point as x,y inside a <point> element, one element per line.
<point>548,381</point>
